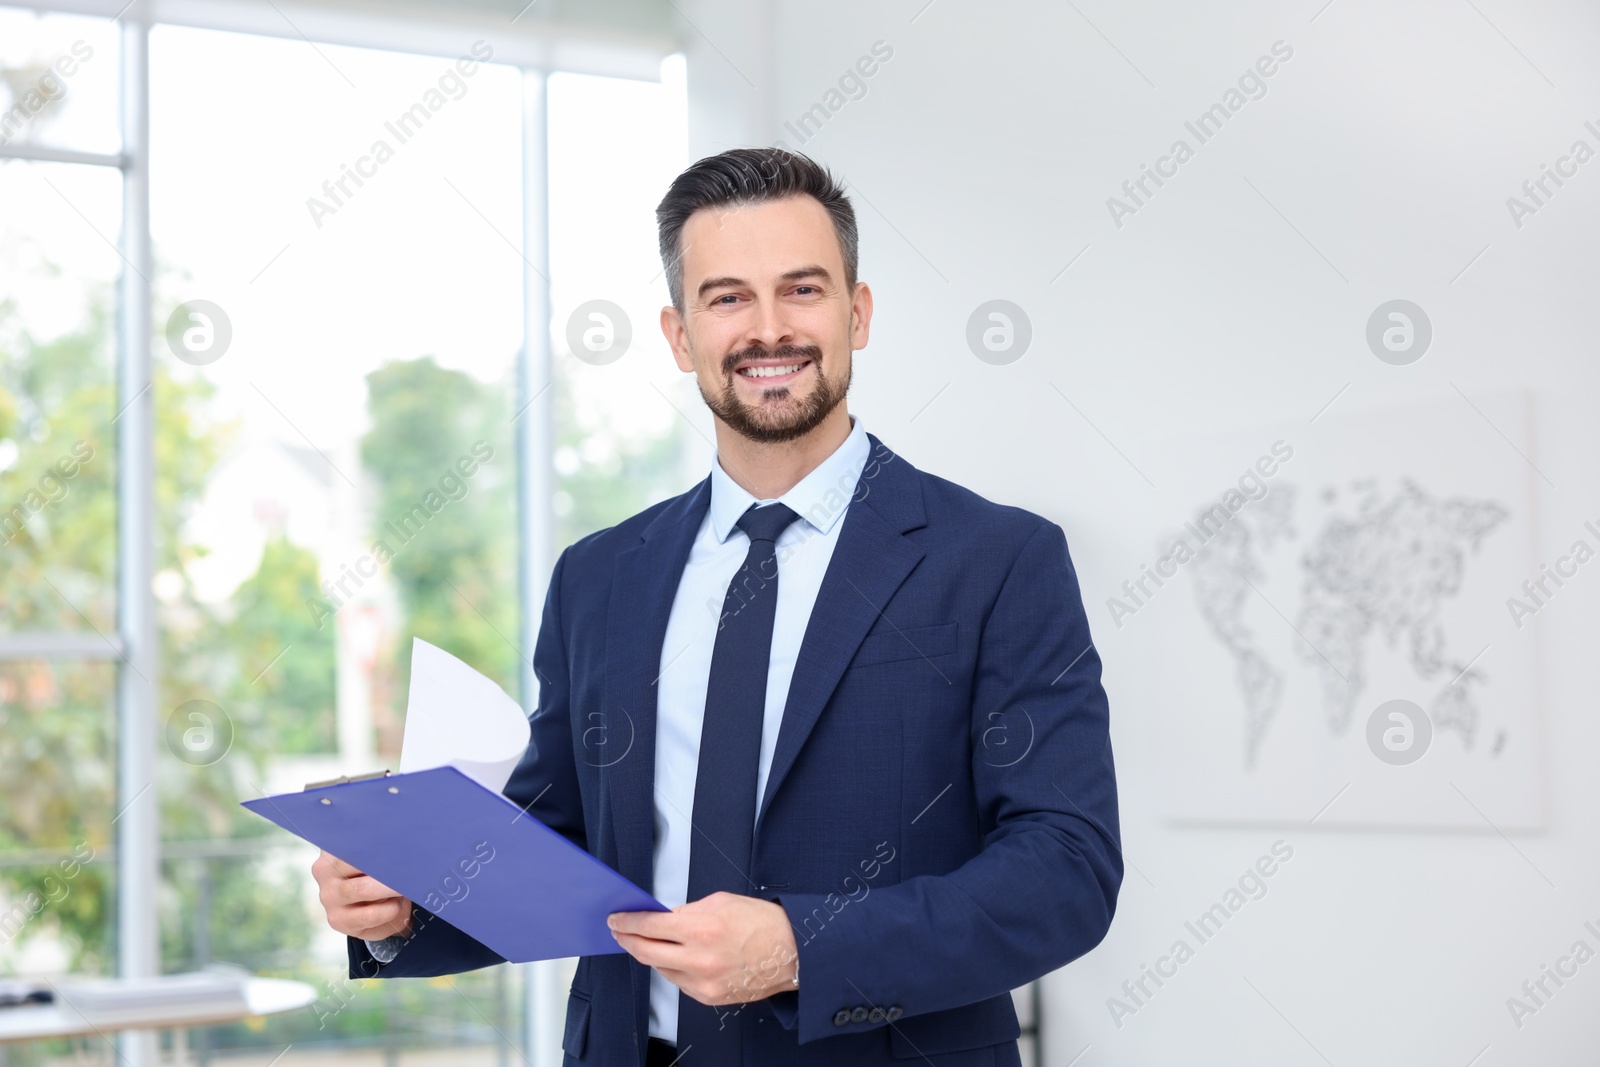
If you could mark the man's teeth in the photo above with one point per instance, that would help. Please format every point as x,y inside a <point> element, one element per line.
<point>770,372</point>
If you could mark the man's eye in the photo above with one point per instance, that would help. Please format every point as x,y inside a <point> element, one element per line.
<point>812,288</point>
<point>720,299</point>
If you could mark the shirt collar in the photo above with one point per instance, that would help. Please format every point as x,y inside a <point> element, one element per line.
<point>820,498</point>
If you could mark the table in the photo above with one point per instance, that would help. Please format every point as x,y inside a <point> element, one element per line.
<point>263,996</point>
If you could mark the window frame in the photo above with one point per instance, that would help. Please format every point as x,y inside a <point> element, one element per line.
<point>538,49</point>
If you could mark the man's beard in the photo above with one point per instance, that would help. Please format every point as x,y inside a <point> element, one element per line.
<point>758,422</point>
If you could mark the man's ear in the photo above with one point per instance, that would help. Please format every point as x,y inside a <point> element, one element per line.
<point>677,335</point>
<point>860,317</point>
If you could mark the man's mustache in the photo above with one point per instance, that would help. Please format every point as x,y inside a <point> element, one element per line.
<point>795,352</point>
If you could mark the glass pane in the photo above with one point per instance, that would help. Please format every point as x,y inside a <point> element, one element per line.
<point>619,440</point>
<point>57,801</point>
<point>58,81</point>
<point>338,439</point>
<point>58,273</point>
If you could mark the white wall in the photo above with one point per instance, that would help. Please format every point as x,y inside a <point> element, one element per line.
<point>982,156</point>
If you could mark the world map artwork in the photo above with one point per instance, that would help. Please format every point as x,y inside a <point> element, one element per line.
<point>1327,603</point>
<point>1385,570</point>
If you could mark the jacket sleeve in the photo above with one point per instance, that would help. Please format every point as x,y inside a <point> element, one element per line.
<point>1042,890</point>
<point>544,784</point>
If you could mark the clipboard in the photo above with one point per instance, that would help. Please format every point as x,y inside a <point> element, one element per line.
<point>469,856</point>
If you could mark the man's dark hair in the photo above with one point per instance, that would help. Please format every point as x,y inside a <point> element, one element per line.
<point>750,176</point>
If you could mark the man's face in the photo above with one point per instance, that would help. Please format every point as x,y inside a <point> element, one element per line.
<point>768,325</point>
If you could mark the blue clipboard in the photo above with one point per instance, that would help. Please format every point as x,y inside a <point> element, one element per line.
<point>468,855</point>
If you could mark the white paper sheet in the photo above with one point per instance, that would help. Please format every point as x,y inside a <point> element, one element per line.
<point>458,718</point>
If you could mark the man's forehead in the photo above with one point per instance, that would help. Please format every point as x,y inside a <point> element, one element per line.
<point>774,235</point>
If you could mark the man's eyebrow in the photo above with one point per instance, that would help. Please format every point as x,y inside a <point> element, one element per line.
<point>727,281</point>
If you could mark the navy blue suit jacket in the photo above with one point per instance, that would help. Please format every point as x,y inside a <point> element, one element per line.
<point>940,817</point>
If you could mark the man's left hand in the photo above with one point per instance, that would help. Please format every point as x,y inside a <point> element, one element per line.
<point>721,949</point>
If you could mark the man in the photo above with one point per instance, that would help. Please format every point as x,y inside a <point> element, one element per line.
<point>847,711</point>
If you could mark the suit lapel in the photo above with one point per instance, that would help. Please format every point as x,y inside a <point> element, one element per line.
<point>644,583</point>
<point>870,561</point>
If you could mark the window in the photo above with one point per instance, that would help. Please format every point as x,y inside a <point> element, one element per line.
<point>59,636</point>
<point>349,441</point>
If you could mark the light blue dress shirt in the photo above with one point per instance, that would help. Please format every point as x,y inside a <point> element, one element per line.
<point>803,552</point>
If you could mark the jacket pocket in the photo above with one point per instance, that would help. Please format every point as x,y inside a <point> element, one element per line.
<point>576,1034</point>
<point>916,642</point>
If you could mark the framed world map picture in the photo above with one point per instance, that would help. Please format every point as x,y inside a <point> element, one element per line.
<point>1348,621</point>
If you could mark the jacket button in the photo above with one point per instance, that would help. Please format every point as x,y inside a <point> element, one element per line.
<point>841,1016</point>
<point>893,1013</point>
<point>858,1014</point>
<point>877,1015</point>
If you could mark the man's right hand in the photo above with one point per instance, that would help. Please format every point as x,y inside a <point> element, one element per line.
<point>359,906</point>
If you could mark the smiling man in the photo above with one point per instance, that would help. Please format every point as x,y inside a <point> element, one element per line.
<point>843,717</point>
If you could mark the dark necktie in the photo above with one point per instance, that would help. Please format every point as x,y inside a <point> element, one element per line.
<point>723,823</point>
